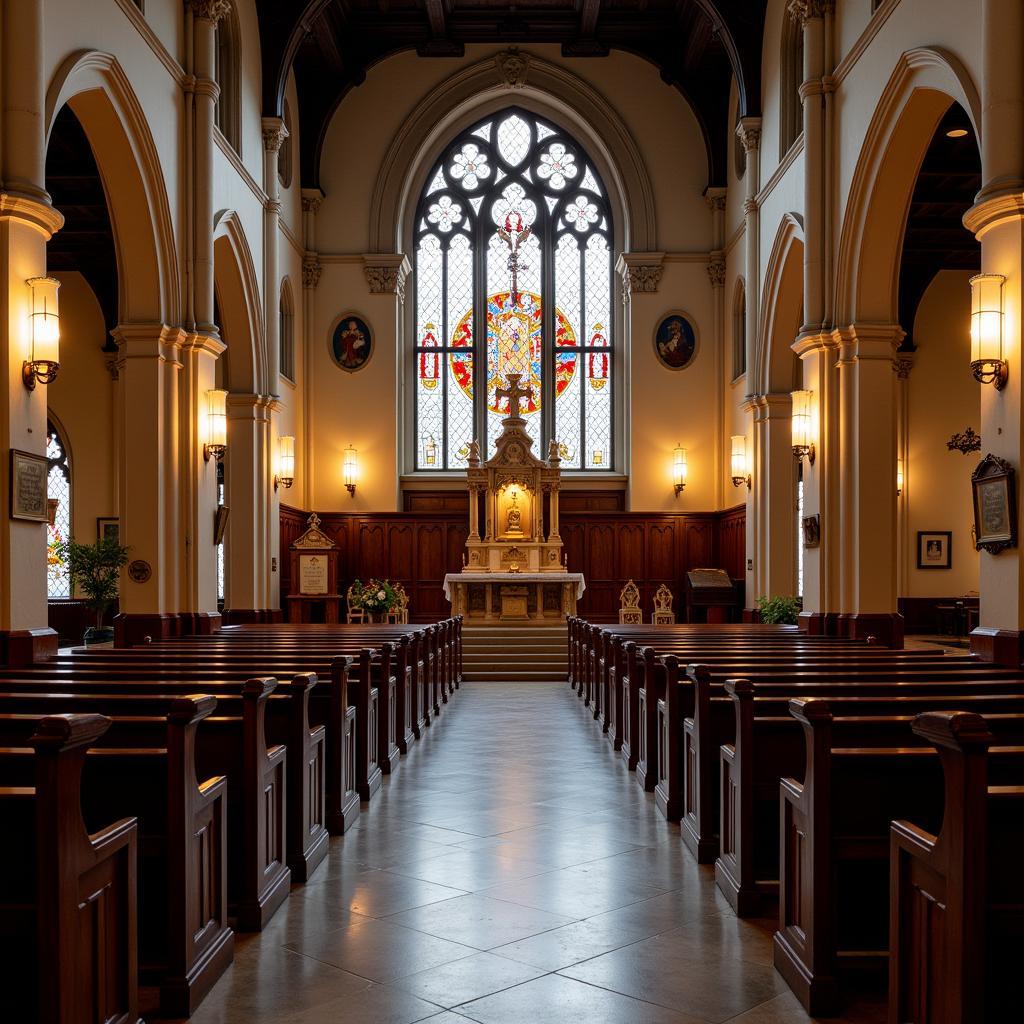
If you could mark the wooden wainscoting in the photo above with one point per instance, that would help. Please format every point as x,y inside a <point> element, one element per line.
<point>417,548</point>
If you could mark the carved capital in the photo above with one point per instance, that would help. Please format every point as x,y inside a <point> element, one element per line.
<point>312,268</point>
<point>312,200</point>
<point>209,10</point>
<point>513,67</point>
<point>640,271</point>
<point>804,10</point>
<point>715,198</point>
<point>749,132</point>
<point>716,271</point>
<point>386,273</point>
<point>901,366</point>
<point>274,134</point>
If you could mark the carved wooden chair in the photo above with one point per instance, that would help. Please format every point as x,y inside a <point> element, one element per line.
<point>629,606</point>
<point>353,614</point>
<point>399,615</point>
<point>663,614</point>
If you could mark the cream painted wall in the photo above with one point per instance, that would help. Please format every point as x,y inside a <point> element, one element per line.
<point>944,400</point>
<point>663,406</point>
<point>82,401</point>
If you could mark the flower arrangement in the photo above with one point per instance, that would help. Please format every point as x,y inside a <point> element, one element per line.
<point>374,595</point>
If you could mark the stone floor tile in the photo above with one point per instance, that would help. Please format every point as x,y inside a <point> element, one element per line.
<point>470,978</point>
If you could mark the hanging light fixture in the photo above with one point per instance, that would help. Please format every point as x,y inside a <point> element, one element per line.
<point>679,469</point>
<point>216,424</point>
<point>738,458</point>
<point>285,462</point>
<point>350,470</point>
<point>45,323</point>
<point>987,362</point>
<point>803,427</point>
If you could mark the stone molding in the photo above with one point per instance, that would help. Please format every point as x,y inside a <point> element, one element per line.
<point>312,268</point>
<point>640,271</point>
<point>716,270</point>
<point>749,131</point>
<point>902,365</point>
<point>274,134</point>
<point>210,10</point>
<point>312,200</point>
<point>386,273</point>
<point>40,215</point>
<point>806,10</point>
<point>513,66</point>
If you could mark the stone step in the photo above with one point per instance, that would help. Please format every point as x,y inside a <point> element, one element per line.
<point>517,653</point>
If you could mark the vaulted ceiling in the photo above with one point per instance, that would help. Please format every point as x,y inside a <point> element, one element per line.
<point>698,45</point>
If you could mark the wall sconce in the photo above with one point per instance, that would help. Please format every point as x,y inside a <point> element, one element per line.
<point>216,425</point>
<point>430,452</point>
<point>899,477</point>
<point>739,461</point>
<point>351,470</point>
<point>987,362</point>
<point>803,432</point>
<point>45,317</point>
<point>679,469</point>
<point>285,462</point>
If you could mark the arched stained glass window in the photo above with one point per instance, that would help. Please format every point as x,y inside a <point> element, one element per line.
<point>58,488</point>
<point>514,231</point>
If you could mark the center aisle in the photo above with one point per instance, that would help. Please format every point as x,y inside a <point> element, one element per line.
<point>514,872</point>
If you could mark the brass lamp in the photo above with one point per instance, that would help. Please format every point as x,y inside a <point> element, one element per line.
<point>350,470</point>
<point>738,458</point>
<point>216,424</point>
<point>987,362</point>
<point>285,462</point>
<point>45,317</point>
<point>679,469</point>
<point>803,429</point>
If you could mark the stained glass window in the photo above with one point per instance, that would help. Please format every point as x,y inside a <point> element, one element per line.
<point>58,488</point>
<point>514,232</point>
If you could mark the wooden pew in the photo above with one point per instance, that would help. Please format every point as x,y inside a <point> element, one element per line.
<point>68,899</point>
<point>834,850</point>
<point>956,898</point>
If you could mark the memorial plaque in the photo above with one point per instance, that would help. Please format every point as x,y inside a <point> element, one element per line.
<point>709,579</point>
<point>313,574</point>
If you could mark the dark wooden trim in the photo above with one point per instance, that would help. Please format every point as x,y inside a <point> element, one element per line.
<point>27,646</point>
<point>885,627</point>
<point>1001,646</point>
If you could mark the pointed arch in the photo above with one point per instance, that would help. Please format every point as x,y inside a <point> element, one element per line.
<point>238,297</point>
<point>781,311</point>
<point>286,330</point>
<point>920,89</point>
<point>99,93</point>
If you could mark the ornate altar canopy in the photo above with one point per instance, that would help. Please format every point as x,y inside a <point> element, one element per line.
<point>514,570</point>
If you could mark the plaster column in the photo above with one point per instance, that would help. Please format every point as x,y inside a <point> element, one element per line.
<point>902,366</point>
<point>27,222</point>
<point>997,219</point>
<point>749,132</point>
<point>312,198</point>
<point>773,487</point>
<point>274,134</point>
<point>205,15</point>
<point>149,365</point>
<point>867,471</point>
<point>715,198</point>
<point>821,596</point>
<point>247,486</point>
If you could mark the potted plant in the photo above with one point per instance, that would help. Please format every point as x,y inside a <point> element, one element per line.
<point>783,611</point>
<point>95,569</point>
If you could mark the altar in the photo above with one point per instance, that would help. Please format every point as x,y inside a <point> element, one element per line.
<point>514,568</point>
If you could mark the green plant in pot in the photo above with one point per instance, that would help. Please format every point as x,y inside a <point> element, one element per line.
<point>779,611</point>
<point>95,570</point>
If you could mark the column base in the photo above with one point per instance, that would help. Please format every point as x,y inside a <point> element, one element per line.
<point>238,616</point>
<point>819,623</point>
<point>751,615</point>
<point>133,629</point>
<point>885,627</point>
<point>1000,646</point>
<point>20,647</point>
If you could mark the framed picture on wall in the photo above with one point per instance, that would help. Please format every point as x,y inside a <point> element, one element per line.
<point>351,342</point>
<point>28,486</point>
<point>934,549</point>
<point>675,341</point>
<point>995,505</point>
<point>108,528</point>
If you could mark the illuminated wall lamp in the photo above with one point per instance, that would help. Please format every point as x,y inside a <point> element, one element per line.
<point>899,477</point>
<point>679,469</point>
<point>45,318</point>
<point>738,458</point>
<point>350,470</point>
<point>987,362</point>
<point>803,433</point>
<point>285,462</point>
<point>216,425</point>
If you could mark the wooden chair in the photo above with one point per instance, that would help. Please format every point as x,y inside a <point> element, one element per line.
<point>663,614</point>
<point>629,606</point>
<point>352,613</point>
<point>399,615</point>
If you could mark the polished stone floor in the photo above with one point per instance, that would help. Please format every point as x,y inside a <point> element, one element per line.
<point>511,872</point>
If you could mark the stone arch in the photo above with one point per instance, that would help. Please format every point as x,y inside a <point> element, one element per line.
<point>99,93</point>
<point>920,89</point>
<point>781,310</point>
<point>238,297</point>
<point>536,85</point>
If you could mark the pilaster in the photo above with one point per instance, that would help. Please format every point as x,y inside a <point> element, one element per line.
<point>312,200</point>
<point>749,132</point>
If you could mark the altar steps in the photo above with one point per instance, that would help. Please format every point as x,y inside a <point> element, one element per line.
<point>509,653</point>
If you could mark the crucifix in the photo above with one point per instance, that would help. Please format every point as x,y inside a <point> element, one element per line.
<point>513,393</point>
<point>514,234</point>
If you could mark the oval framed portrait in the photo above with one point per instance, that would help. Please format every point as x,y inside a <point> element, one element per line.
<point>675,341</point>
<point>351,342</point>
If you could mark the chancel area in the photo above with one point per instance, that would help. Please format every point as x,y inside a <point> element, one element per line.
<point>510,511</point>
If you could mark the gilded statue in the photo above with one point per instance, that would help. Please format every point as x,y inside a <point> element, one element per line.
<point>514,522</point>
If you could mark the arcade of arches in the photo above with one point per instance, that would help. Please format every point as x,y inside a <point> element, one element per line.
<point>735,250</point>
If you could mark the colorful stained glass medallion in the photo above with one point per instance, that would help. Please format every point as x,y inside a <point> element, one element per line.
<point>510,200</point>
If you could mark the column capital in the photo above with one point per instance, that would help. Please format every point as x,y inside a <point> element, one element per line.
<point>814,341</point>
<point>749,131</point>
<point>805,10</point>
<point>716,269</point>
<point>386,273</point>
<point>204,343</point>
<point>241,405</point>
<point>312,198</point>
<point>148,341</point>
<point>274,134</point>
<point>902,365</point>
<point>640,271</point>
<point>209,10</point>
<point>862,342</point>
<point>31,211</point>
<point>995,209</point>
<point>774,405</point>
<point>715,198</point>
<point>312,268</point>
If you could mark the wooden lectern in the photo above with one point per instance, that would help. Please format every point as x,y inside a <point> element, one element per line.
<point>314,576</point>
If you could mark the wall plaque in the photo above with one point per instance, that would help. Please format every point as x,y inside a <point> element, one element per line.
<point>313,574</point>
<point>28,486</point>
<point>139,571</point>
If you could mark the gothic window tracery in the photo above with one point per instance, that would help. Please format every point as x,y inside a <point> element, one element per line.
<point>514,231</point>
<point>58,488</point>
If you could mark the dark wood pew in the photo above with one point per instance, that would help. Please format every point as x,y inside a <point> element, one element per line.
<point>956,898</point>
<point>68,899</point>
<point>184,940</point>
<point>834,850</point>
